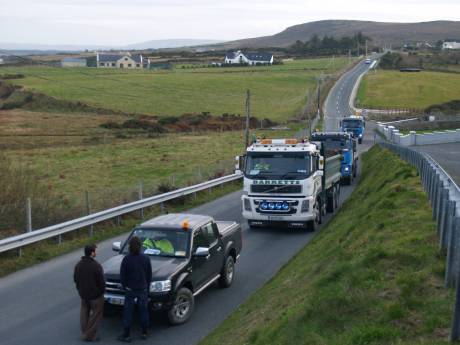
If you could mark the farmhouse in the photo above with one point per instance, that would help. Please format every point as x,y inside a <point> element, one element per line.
<point>73,62</point>
<point>239,57</point>
<point>451,45</point>
<point>121,61</point>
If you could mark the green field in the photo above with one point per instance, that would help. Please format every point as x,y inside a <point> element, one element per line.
<point>278,92</point>
<point>373,275</point>
<point>393,89</point>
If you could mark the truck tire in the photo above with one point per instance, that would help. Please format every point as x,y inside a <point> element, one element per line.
<point>355,169</point>
<point>227,273</point>
<point>347,180</point>
<point>182,307</point>
<point>360,140</point>
<point>314,224</point>
<point>337,196</point>
<point>330,201</point>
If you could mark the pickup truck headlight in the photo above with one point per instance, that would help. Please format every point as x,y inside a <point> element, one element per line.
<point>160,286</point>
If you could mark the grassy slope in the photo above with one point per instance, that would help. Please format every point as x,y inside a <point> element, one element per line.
<point>278,92</point>
<point>372,276</point>
<point>407,90</point>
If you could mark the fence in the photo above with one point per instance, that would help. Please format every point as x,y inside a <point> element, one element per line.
<point>444,196</point>
<point>39,210</point>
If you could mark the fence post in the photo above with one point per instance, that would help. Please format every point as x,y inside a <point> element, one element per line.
<point>140,198</point>
<point>88,211</point>
<point>28,215</point>
<point>455,331</point>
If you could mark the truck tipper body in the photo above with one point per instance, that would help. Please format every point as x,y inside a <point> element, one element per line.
<point>354,125</point>
<point>289,183</point>
<point>344,144</point>
<point>188,253</point>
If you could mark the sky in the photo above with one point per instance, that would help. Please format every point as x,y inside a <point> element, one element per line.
<point>117,22</point>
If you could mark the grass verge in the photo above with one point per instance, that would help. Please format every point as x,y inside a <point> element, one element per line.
<point>393,89</point>
<point>373,275</point>
<point>45,250</point>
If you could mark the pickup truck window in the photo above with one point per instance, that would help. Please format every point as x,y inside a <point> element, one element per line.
<point>160,242</point>
<point>199,240</point>
<point>208,231</point>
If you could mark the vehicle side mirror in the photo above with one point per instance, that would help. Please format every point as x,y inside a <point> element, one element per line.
<point>116,246</point>
<point>320,173</point>
<point>321,163</point>
<point>239,166</point>
<point>201,252</point>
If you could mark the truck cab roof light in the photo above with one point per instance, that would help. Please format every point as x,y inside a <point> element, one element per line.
<point>185,225</point>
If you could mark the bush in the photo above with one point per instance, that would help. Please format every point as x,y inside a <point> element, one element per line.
<point>110,125</point>
<point>168,120</point>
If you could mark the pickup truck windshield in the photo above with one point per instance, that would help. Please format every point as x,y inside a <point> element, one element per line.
<point>278,165</point>
<point>352,123</point>
<point>159,242</point>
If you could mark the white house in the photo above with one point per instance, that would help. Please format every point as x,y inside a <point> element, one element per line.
<point>451,45</point>
<point>121,61</point>
<point>239,57</point>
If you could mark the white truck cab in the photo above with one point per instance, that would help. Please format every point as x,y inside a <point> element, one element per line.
<point>286,183</point>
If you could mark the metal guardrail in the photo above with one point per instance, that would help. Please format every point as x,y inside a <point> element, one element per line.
<point>444,195</point>
<point>16,242</point>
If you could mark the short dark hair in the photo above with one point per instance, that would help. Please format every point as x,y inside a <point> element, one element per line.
<point>90,248</point>
<point>135,245</point>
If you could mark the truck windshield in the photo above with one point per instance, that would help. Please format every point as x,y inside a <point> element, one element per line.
<point>278,165</point>
<point>352,123</point>
<point>160,242</point>
<point>333,144</point>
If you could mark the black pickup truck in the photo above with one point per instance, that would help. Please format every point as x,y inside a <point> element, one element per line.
<point>188,253</point>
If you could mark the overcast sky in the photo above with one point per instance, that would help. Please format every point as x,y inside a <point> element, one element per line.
<point>117,22</point>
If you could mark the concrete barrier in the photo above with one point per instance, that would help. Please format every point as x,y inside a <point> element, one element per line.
<point>393,135</point>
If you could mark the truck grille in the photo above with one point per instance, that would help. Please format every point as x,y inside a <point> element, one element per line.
<point>114,287</point>
<point>271,189</point>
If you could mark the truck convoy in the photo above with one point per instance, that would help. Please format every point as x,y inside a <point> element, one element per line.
<point>287,182</point>
<point>343,143</point>
<point>354,125</point>
<point>188,253</point>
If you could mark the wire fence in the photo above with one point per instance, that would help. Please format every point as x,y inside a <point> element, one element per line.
<point>444,196</point>
<point>41,211</point>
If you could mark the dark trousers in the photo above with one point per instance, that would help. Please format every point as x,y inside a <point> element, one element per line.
<point>91,313</point>
<point>131,298</point>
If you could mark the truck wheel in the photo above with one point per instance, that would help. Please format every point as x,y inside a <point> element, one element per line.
<point>337,195</point>
<point>330,202</point>
<point>355,169</point>
<point>182,307</point>
<point>360,140</point>
<point>348,180</point>
<point>228,272</point>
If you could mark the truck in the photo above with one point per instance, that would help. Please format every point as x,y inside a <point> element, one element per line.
<point>188,253</point>
<point>355,125</point>
<point>344,144</point>
<point>288,183</point>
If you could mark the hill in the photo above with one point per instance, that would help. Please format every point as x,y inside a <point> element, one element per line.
<point>380,32</point>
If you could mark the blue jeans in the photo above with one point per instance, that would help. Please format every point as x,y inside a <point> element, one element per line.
<point>142,303</point>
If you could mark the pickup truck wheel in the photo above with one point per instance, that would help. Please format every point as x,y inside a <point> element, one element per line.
<point>182,307</point>
<point>228,272</point>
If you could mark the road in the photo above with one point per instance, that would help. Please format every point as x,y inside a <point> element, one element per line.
<point>39,305</point>
<point>447,155</point>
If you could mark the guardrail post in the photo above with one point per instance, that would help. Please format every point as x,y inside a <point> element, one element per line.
<point>88,211</point>
<point>450,246</point>
<point>445,207</point>
<point>28,215</point>
<point>140,198</point>
<point>162,207</point>
<point>455,331</point>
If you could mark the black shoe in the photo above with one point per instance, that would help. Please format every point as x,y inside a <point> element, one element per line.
<point>124,338</point>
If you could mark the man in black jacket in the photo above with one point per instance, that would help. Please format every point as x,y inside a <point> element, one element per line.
<point>89,279</point>
<point>135,276</point>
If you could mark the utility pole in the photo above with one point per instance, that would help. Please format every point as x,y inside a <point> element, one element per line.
<point>248,114</point>
<point>358,49</point>
<point>366,48</point>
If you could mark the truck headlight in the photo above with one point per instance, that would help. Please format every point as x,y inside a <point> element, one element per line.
<point>247,204</point>
<point>160,286</point>
<point>347,168</point>
<point>360,135</point>
<point>305,206</point>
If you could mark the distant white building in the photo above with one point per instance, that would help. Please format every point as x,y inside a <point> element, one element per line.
<point>1,61</point>
<point>239,57</point>
<point>451,45</point>
<point>121,61</point>
<point>73,62</point>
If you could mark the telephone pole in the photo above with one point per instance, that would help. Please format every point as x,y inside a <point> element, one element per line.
<point>248,115</point>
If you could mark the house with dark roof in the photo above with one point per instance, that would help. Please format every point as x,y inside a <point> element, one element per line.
<point>121,61</point>
<point>240,57</point>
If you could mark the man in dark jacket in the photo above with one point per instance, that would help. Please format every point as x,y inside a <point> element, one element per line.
<point>89,278</point>
<point>135,276</point>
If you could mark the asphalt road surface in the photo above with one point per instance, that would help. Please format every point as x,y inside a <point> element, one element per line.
<point>40,305</point>
<point>447,155</point>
